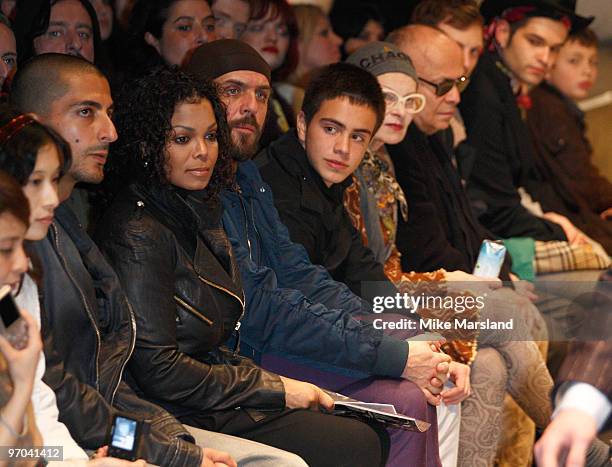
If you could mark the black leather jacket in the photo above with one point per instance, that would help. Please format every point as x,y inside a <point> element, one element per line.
<point>90,334</point>
<point>176,263</point>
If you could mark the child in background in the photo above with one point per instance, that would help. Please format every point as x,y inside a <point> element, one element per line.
<point>559,123</point>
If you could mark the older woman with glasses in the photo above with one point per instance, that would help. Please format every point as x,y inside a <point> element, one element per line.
<point>381,198</point>
<point>375,199</point>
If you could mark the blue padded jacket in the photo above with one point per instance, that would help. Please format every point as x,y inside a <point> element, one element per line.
<point>294,308</point>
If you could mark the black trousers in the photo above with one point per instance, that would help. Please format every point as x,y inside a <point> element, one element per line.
<point>322,440</point>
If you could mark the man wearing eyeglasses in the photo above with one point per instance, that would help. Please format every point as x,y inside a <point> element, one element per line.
<point>441,232</point>
<point>461,21</point>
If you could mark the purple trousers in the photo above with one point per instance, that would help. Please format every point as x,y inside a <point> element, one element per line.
<point>407,447</point>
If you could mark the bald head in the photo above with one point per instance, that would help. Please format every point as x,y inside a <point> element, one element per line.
<point>428,47</point>
<point>46,78</point>
<point>439,64</point>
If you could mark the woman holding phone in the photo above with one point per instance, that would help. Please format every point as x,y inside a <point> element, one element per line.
<point>17,367</point>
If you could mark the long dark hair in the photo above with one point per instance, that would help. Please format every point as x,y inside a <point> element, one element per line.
<point>18,153</point>
<point>146,16</point>
<point>349,19</point>
<point>143,117</point>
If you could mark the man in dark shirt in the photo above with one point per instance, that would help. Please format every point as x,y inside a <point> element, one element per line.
<point>526,38</point>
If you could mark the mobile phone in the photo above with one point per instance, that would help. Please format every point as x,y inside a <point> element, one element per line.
<point>124,437</point>
<point>12,325</point>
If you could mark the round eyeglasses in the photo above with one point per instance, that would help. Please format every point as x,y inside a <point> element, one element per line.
<point>413,103</point>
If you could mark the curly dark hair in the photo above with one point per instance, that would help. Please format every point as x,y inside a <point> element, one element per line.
<point>143,117</point>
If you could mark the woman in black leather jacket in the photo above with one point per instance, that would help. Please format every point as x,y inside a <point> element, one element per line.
<point>163,235</point>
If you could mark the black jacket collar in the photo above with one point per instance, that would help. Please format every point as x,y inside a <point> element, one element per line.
<point>493,66</point>
<point>181,211</point>
<point>292,157</point>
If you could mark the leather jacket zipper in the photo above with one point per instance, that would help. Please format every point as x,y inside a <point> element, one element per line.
<point>89,313</point>
<point>131,350</point>
<point>193,310</point>
<point>229,292</point>
<point>217,286</point>
<point>240,300</point>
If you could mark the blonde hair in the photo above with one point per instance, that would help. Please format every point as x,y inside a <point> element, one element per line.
<point>307,17</point>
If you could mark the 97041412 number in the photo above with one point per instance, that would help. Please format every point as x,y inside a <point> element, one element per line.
<point>50,453</point>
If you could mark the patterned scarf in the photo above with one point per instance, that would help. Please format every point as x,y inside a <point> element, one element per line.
<point>378,174</point>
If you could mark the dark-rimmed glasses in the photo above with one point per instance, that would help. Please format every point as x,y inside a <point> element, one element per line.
<point>445,86</point>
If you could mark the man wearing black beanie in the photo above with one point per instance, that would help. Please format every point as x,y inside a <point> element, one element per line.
<point>244,78</point>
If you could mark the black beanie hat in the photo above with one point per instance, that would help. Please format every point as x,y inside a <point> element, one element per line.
<point>217,58</point>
